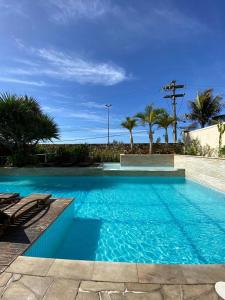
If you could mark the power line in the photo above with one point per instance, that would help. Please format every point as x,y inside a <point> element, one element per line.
<point>98,137</point>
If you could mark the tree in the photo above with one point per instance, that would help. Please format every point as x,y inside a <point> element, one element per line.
<point>221,130</point>
<point>23,124</point>
<point>150,117</point>
<point>205,107</point>
<point>165,120</point>
<point>129,124</point>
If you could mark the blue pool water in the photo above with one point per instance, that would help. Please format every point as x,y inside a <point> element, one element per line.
<point>130,219</point>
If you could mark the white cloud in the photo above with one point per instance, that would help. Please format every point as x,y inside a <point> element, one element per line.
<point>62,66</point>
<point>81,70</point>
<point>112,130</point>
<point>65,10</point>
<point>12,8</point>
<point>78,114</point>
<point>158,19</point>
<point>25,82</point>
<point>25,61</point>
<point>91,116</point>
<point>50,109</point>
<point>92,104</point>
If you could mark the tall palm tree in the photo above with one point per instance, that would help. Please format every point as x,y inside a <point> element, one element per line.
<point>150,116</point>
<point>165,120</point>
<point>129,124</point>
<point>205,107</point>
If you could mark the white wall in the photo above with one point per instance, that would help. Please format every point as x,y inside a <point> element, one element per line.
<point>206,136</point>
<point>206,170</point>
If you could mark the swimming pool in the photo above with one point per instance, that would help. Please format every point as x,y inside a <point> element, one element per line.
<point>130,219</point>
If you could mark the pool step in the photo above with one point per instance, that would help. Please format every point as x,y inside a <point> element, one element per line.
<point>151,173</point>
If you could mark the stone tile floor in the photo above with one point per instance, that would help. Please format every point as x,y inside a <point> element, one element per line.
<point>29,278</point>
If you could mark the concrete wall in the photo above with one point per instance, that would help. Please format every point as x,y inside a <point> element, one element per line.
<point>147,160</point>
<point>208,171</point>
<point>89,171</point>
<point>51,171</point>
<point>206,136</point>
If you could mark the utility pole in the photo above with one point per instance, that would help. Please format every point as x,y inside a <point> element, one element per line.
<point>108,107</point>
<point>173,87</point>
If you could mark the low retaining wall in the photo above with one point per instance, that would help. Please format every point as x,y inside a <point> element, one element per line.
<point>208,171</point>
<point>51,171</point>
<point>147,160</point>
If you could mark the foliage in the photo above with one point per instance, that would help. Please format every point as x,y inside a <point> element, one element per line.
<point>221,129</point>
<point>107,155</point>
<point>205,107</point>
<point>129,124</point>
<point>150,117</point>
<point>165,120</point>
<point>23,125</point>
<point>222,151</point>
<point>80,154</point>
<point>158,140</point>
<point>65,154</point>
<point>195,148</point>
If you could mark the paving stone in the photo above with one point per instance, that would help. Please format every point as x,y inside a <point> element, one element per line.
<point>105,295</point>
<point>87,296</point>
<point>4,278</point>
<point>65,289</point>
<point>200,274</point>
<point>73,269</point>
<point>142,287</point>
<point>115,272</point>
<point>164,274</point>
<point>28,287</point>
<point>116,296</point>
<point>2,268</point>
<point>172,292</point>
<point>199,292</point>
<point>16,290</point>
<point>30,265</point>
<point>95,286</point>
<point>144,296</point>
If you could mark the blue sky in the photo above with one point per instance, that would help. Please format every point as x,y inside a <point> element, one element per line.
<point>76,55</point>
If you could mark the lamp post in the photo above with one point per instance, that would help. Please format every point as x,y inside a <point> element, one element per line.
<point>108,107</point>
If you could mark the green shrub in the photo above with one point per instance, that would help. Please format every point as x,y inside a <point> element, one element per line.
<point>65,154</point>
<point>222,151</point>
<point>105,156</point>
<point>195,148</point>
<point>21,160</point>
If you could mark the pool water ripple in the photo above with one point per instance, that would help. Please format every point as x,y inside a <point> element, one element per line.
<point>130,219</point>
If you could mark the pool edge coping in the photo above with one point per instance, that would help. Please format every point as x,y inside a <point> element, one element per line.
<point>172,274</point>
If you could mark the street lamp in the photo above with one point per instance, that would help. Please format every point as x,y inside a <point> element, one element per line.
<point>108,107</point>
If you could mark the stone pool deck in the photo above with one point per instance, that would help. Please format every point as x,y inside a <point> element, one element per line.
<point>52,279</point>
<point>18,238</point>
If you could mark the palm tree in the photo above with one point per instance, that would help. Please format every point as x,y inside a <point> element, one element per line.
<point>205,107</point>
<point>129,124</point>
<point>150,117</point>
<point>165,120</point>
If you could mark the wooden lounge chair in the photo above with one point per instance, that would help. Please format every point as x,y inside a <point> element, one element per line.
<point>9,215</point>
<point>8,197</point>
